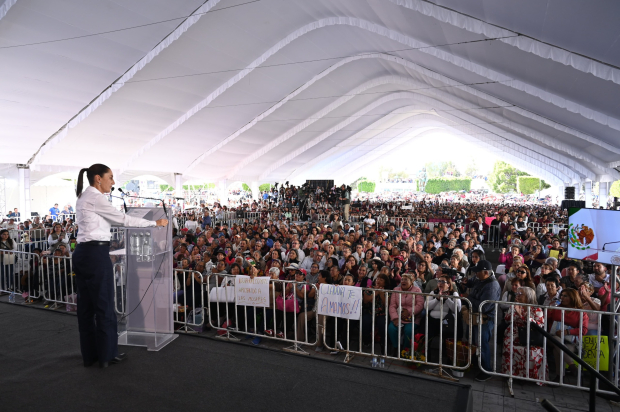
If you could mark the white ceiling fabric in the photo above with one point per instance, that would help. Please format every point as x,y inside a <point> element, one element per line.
<point>278,90</point>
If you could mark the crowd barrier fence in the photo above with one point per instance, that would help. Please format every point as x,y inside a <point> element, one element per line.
<point>20,275</point>
<point>188,307</point>
<point>553,227</point>
<point>447,331</point>
<point>590,348</point>
<point>62,217</point>
<point>227,317</point>
<point>57,281</point>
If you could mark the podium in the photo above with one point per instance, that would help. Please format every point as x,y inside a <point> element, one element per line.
<point>148,319</point>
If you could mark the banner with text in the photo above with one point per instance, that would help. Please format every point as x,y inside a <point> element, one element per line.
<point>252,292</point>
<point>340,301</point>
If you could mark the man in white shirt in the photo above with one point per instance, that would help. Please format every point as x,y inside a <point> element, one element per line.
<point>315,257</point>
<point>300,253</point>
<point>359,253</point>
<point>369,220</point>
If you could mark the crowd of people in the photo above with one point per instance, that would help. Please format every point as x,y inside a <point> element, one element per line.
<point>447,261</point>
<point>435,249</point>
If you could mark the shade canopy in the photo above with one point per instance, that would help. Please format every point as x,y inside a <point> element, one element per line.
<point>272,90</point>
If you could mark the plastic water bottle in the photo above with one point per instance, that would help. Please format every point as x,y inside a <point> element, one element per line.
<point>133,244</point>
<point>140,247</point>
<point>147,248</point>
<point>12,297</point>
<point>382,364</point>
<point>374,363</point>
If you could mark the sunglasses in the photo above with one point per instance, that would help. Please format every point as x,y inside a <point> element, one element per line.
<point>521,271</point>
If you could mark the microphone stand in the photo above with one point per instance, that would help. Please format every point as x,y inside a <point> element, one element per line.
<point>608,243</point>
<point>123,199</point>
<point>147,198</point>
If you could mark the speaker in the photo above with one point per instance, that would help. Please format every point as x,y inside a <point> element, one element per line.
<point>323,184</point>
<point>569,193</point>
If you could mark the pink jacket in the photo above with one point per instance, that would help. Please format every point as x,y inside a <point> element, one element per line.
<point>507,259</point>
<point>407,303</point>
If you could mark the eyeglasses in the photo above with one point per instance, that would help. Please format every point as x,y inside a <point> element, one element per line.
<point>441,281</point>
<point>520,294</point>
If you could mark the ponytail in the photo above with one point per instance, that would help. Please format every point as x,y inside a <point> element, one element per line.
<point>97,169</point>
<point>80,182</point>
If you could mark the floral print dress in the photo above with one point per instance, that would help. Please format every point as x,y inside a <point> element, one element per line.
<point>519,361</point>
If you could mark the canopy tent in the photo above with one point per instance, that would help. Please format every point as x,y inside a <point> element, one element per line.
<point>271,90</point>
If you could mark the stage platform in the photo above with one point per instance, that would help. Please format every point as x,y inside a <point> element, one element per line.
<point>41,369</point>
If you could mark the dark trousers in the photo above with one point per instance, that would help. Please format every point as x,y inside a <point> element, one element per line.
<point>95,302</point>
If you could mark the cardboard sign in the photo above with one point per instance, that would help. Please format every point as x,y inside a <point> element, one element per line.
<point>340,301</point>
<point>252,292</point>
<point>590,350</point>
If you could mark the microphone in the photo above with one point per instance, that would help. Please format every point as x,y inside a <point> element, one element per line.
<point>609,243</point>
<point>122,198</point>
<point>148,198</point>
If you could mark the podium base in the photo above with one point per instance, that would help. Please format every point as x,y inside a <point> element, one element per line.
<point>152,341</point>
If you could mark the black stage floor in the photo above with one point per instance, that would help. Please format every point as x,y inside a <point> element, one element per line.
<point>41,369</point>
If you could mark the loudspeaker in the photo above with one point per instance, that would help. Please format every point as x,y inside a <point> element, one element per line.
<point>323,184</point>
<point>569,193</point>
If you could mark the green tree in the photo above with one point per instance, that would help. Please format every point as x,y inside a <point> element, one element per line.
<point>472,168</point>
<point>614,190</point>
<point>357,182</point>
<point>264,187</point>
<point>439,169</point>
<point>503,178</point>
<point>368,187</point>
<point>396,175</point>
<point>245,187</point>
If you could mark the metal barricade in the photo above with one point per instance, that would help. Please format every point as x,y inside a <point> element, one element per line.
<point>493,239</point>
<point>20,275</point>
<point>535,358</point>
<point>57,280</point>
<point>29,246</point>
<point>227,317</point>
<point>251,216</point>
<point>117,234</point>
<point>188,307</point>
<point>376,324</point>
<point>62,217</point>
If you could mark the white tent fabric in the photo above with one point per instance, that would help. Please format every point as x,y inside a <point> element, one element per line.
<point>264,90</point>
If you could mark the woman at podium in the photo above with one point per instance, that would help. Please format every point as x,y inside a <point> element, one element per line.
<point>93,267</point>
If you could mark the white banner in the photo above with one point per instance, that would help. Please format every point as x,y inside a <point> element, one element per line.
<point>252,292</point>
<point>340,301</point>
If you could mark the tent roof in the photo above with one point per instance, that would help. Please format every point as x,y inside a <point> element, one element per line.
<point>274,90</point>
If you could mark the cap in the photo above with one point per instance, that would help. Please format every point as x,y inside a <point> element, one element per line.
<point>293,266</point>
<point>482,265</point>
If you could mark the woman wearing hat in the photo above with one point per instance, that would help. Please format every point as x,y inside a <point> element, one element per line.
<point>375,267</point>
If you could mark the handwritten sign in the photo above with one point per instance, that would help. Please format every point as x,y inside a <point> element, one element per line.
<point>252,292</point>
<point>340,301</point>
<point>591,350</point>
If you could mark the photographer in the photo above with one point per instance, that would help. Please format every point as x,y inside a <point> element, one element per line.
<point>345,199</point>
